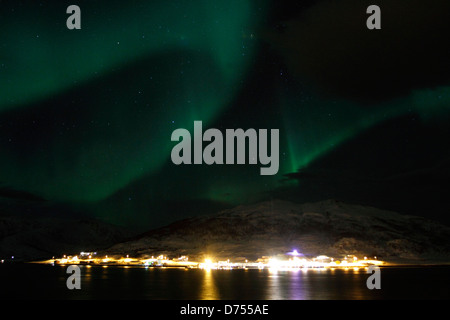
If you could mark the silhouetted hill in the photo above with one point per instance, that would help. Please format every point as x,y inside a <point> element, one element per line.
<point>401,165</point>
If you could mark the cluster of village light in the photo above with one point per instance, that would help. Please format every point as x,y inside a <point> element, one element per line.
<point>295,261</point>
<point>276,263</point>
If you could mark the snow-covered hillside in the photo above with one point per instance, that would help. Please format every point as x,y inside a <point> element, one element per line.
<point>275,227</point>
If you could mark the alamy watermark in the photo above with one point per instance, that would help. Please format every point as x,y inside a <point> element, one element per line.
<point>235,140</point>
<point>74,280</point>
<point>374,281</point>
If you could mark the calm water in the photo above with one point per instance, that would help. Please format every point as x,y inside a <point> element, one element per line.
<point>49,282</point>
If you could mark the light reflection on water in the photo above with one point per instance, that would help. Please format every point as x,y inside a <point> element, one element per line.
<point>112,282</point>
<point>209,290</point>
<point>291,281</point>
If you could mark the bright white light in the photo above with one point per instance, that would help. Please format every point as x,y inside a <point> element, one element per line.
<point>207,265</point>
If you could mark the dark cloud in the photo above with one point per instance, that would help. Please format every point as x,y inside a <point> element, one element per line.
<point>330,46</point>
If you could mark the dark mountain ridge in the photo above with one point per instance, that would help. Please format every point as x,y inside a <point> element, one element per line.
<point>276,227</point>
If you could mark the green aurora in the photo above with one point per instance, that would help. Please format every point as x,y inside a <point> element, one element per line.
<point>86,115</point>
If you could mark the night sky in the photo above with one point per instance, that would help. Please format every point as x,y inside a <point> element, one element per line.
<point>86,115</point>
